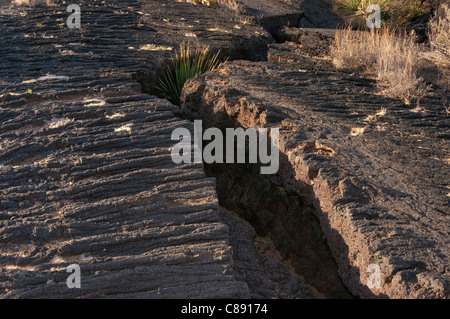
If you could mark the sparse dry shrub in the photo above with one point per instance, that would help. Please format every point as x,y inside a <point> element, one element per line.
<point>211,3</point>
<point>33,2</point>
<point>390,57</point>
<point>397,71</point>
<point>393,12</point>
<point>355,50</point>
<point>439,34</point>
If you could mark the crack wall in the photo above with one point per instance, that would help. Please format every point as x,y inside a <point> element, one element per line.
<point>286,223</point>
<point>282,217</point>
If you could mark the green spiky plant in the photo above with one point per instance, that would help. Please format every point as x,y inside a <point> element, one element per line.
<point>186,64</point>
<point>355,12</point>
<point>349,6</point>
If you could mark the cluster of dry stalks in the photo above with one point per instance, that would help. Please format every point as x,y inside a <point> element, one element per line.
<point>393,57</point>
<point>389,56</point>
<point>439,35</point>
<point>393,12</point>
<point>28,2</point>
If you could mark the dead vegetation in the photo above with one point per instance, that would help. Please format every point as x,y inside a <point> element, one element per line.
<point>393,12</point>
<point>390,57</point>
<point>396,68</point>
<point>439,53</point>
<point>439,35</point>
<point>34,2</point>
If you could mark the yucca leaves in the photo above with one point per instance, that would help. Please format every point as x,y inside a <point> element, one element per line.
<point>186,65</point>
<point>349,6</point>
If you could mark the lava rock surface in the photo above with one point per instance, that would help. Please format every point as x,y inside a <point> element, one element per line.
<point>86,175</point>
<point>377,171</point>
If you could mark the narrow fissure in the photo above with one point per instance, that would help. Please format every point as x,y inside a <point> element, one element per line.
<point>284,220</point>
<point>286,223</point>
<point>148,79</point>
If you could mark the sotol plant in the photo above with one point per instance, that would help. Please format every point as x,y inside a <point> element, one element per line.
<point>390,57</point>
<point>186,64</point>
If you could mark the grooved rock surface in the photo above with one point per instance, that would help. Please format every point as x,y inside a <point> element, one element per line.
<point>116,40</point>
<point>86,175</point>
<point>97,187</point>
<point>377,171</point>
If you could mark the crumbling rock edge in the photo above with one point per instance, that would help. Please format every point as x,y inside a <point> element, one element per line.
<point>400,226</point>
<point>87,176</point>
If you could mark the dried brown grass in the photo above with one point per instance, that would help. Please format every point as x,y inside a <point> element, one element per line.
<point>355,50</point>
<point>393,12</point>
<point>439,35</point>
<point>33,2</point>
<point>390,57</point>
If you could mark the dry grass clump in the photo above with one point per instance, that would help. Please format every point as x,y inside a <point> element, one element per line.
<point>397,71</point>
<point>33,2</point>
<point>210,3</point>
<point>389,56</point>
<point>356,50</point>
<point>393,12</point>
<point>439,34</point>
